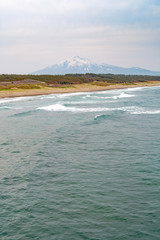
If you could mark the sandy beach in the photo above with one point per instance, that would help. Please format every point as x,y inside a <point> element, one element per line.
<point>74,88</point>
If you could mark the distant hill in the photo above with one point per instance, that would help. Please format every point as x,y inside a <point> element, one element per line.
<point>82,65</point>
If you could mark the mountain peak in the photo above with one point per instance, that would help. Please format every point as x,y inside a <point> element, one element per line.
<point>81,65</point>
<point>77,61</point>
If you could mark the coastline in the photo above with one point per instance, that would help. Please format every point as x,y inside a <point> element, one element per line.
<point>84,87</point>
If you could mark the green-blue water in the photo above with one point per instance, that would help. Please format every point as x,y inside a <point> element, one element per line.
<point>81,166</point>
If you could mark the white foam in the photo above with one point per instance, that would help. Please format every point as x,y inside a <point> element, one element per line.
<point>142,88</point>
<point>61,108</point>
<point>90,94</point>
<point>123,95</point>
<point>88,102</point>
<point>99,116</point>
<point>54,107</point>
<point>134,89</point>
<point>140,110</point>
<point>48,97</point>
<point>103,97</point>
<point>146,112</point>
<point>16,99</point>
<point>63,95</point>
<point>87,96</point>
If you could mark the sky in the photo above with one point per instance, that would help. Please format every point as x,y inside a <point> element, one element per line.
<point>39,33</point>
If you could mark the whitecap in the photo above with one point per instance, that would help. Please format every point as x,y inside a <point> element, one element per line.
<point>123,95</point>
<point>87,102</point>
<point>102,97</point>
<point>48,97</point>
<point>61,108</point>
<point>53,107</point>
<point>134,89</point>
<point>16,99</point>
<point>100,116</point>
<point>87,96</point>
<point>146,112</point>
<point>64,95</point>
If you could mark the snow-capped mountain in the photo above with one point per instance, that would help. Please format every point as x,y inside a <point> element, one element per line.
<point>77,61</point>
<point>82,65</point>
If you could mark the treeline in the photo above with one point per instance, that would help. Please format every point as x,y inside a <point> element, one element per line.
<point>78,78</point>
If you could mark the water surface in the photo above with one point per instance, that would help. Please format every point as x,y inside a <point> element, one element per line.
<point>81,166</point>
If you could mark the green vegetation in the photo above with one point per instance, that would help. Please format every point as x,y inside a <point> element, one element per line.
<point>38,81</point>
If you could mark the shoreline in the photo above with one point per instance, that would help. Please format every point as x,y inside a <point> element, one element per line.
<point>84,87</point>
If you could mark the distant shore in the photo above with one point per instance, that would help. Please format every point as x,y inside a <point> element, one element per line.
<point>83,87</point>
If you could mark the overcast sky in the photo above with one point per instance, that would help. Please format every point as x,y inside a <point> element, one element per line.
<point>38,33</point>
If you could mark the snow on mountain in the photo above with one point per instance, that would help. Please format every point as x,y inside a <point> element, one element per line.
<point>78,61</point>
<point>82,65</point>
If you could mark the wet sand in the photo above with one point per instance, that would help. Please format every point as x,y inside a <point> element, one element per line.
<point>85,87</point>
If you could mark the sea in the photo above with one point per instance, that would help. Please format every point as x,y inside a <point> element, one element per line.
<point>81,166</point>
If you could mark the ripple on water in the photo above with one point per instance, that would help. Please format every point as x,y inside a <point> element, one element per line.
<point>82,170</point>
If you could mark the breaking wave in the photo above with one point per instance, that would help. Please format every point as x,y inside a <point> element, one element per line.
<point>16,99</point>
<point>146,112</point>
<point>61,108</point>
<point>121,95</point>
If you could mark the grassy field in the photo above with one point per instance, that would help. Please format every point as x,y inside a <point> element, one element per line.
<point>38,81</point>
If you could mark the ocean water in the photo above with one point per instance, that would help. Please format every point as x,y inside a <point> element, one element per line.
<point>81,166</point>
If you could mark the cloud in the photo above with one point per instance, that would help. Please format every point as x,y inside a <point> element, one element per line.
<point>80,13</point>
<point>29,29</point>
